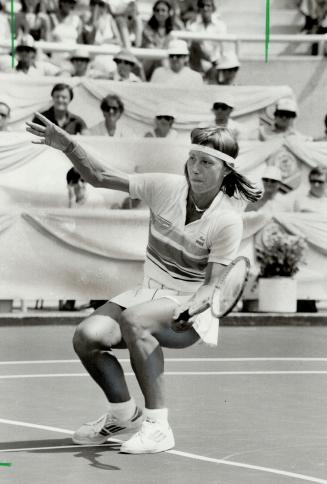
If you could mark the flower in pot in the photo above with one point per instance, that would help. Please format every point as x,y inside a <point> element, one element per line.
<point>280,256</point>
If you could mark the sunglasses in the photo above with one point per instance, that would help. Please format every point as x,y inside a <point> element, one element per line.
<point>285,114</point>
<point>221,106</point>
<point>166,118</point>
<point>114,109</point>
<point>3,115</point>
<point>317,182</point>
<point>124,62</point>
<point>177,56</point>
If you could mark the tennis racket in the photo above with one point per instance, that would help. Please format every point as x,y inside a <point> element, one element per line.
<point>226,292</point>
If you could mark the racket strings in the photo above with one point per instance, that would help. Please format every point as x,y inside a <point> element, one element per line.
<point>228,293</point>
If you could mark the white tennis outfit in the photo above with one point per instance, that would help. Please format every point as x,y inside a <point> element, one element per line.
<point>178,254</point>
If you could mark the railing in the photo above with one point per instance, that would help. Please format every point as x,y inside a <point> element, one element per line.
<point>158,54</point>
<point>250,38</point>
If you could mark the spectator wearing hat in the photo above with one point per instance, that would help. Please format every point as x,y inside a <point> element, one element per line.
<point>316,198</point>
<point>273,187</point>
<point>80,61</point>
<point>222,109</point>
<point>156,32</point>
<point>112,108</point>
<point>163,123</point>
<point>324,137</point>
<point>62,94</point>
<point>4,116</point>
<point>126,62</point>
<point>177,73</point>
<point>285,113</point>
<point>26,62</point>
<point>206,53</point>
<point>225,71</point>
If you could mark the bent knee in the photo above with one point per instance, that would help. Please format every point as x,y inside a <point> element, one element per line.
<point>131,325</point>
<point>93,334</point>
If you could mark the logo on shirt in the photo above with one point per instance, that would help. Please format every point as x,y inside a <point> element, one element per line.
<point>200,241</point>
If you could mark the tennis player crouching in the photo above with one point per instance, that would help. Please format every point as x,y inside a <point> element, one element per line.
<point>194,233</point>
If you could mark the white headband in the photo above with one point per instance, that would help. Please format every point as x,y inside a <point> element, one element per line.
<point>212,152</point>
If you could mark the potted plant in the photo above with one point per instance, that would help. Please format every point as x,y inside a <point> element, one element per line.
<point>279,256</point>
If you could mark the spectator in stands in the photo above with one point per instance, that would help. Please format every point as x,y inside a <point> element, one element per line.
<point>163,123</point>
<point>5,27</point>
<point>130,25</point>
<point>205,54</point>
<point>156,33</point>
<point>62,94</point>
<point>4,116</point>
<point>177,73</point>
<point>26,62</point>
<point>222,109</point>
<point>283,125</point>
<point>79,193</point>
<point>66,25</point>
<point>323,138</point>
<point>33,20</point>
<point>273,186</point>
<point>101,28</point>
<point>315,12</point>
<point>316,199</point>
<point>80,61</point>
<point>225,71</point>
<point>112,108</point>
<point>126,62</point>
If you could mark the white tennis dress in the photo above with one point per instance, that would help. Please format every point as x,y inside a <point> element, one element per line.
<point>177,254</point>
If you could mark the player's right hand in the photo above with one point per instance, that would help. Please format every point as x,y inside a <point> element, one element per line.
<point>50,134</point>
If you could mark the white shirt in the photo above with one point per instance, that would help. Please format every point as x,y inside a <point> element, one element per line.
<point>101,130</point>
<point>131,78</point>
<point>186,77</point>
<point>217,27</point>
<point>40,68</point>
<point>171,134</point>
<point>178,254</point>
<point>234,126</point>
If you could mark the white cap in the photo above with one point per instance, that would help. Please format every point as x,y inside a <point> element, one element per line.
<point>287,104</point>
<point>273,173</point>
<point>80,54</point>
<point>178,47</point>
<point>26,41</point>
<point>228,61</point>
<point>225,98</point>
<point>165,109</point>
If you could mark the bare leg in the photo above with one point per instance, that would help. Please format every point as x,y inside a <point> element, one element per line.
<point>145,328</point>
<point>92,342</point>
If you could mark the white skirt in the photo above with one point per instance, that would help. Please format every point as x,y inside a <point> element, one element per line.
<point>205,324</point>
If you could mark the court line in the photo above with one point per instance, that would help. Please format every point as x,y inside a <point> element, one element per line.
<point>175,373</point>
<point>178,453</point>
<point>181,360</point>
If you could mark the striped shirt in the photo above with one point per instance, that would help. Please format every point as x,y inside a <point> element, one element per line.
<point>178,254</point>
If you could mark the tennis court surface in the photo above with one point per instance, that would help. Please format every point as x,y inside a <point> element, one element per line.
<point>252,411</point>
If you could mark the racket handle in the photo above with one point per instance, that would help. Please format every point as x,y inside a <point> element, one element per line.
<point>184,316</point>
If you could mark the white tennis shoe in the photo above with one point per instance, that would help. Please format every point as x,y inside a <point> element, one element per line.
<point>106,426</point>
<point>153,437</point>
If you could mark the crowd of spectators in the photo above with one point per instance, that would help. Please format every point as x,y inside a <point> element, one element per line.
<point>108,22</point>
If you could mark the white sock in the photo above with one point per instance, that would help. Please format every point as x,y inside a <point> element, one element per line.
<point>158,414</point>
<point>123,410</point>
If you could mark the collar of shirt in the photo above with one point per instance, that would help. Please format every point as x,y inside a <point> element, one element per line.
<point>51,116</point>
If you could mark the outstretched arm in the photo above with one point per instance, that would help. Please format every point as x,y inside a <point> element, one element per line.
<point>92,170</point>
